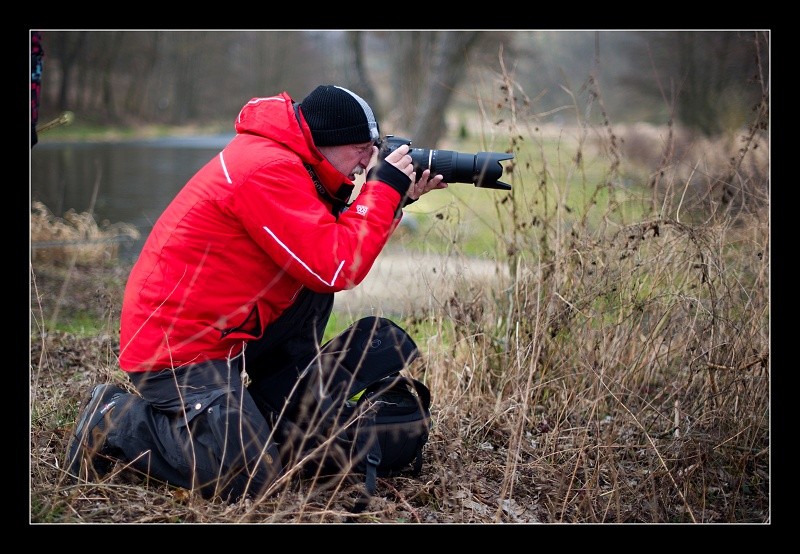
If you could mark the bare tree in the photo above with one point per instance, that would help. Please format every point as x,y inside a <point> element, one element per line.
<point>105,73</point>
<point>136,74</point>
<point>449,65</point>
<point>362,84</point>
<point>426,69</point>
<point>190,49</point>
<point>703,73</point>
<point>67,47</point>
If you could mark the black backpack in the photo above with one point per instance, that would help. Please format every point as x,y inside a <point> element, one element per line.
<point>351,411</point>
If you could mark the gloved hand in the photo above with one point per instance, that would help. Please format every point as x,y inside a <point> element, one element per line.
<point>391,175</point>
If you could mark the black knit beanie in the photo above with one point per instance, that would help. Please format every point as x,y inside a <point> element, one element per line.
<point>338,116</point>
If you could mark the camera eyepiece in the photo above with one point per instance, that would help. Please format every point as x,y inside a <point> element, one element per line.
<point>482,169</point>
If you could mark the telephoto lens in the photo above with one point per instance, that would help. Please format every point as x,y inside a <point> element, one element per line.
<point>482,169</point>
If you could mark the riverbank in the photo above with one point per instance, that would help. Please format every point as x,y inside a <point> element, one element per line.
<point>67,128</point>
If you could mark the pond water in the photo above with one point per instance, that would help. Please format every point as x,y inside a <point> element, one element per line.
<point>121,182</point>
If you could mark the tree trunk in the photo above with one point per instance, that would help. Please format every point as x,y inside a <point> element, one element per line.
<point>363,87</point>
<point>453,49</point>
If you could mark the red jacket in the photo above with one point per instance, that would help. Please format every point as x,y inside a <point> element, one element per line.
<point>240,240</point>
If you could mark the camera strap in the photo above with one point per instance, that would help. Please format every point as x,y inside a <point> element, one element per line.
<point>337,204</point>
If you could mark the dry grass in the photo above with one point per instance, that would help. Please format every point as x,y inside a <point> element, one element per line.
<point>76,238</point>
<point>617,372</point>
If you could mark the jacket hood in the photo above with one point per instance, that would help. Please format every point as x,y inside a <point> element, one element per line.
<point>273,117</point>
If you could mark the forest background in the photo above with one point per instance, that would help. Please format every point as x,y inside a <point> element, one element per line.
<point>421,83</point>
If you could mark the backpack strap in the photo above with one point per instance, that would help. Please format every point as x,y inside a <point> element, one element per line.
<point>371,461</point>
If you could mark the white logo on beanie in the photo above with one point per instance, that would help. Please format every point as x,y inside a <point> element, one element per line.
<point>361,209</point>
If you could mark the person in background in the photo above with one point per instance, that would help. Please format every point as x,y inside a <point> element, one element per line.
<point>37,63</point>
<point>237,278</point>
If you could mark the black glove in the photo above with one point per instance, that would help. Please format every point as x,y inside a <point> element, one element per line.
<point>389,174</point>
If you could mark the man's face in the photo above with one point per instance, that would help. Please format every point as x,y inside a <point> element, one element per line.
<point>350,159</point>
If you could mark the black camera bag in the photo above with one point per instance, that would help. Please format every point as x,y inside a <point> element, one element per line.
<point>351,411</point>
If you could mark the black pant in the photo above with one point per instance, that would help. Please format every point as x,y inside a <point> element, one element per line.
<point>197,427</point>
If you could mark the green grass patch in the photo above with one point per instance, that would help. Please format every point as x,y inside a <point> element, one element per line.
<point>81,324</point>
<point>550,182</point>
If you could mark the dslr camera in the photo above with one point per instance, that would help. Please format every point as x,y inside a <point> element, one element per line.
<point>482,169</point>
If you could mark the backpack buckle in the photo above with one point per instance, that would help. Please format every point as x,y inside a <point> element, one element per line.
<point>373,459</point>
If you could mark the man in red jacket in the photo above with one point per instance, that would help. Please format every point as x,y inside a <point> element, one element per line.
<point>238,276</point>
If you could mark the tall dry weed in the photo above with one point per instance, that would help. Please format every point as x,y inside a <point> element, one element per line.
<point>625,372</point>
